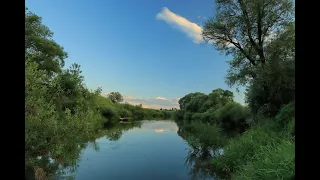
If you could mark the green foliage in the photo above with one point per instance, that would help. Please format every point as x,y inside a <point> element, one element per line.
<point>178,115</point>
<point>262,152</point>
<point>216,108</point>
<point>115,97</point>
<point>242,148</point>
<point>286,114</point>
<point>260,37</point>
<point>232,117</point>
<point>49,131</point>
<point>39,45</point>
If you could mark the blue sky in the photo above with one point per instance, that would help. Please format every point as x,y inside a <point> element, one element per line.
<point>148,50</point>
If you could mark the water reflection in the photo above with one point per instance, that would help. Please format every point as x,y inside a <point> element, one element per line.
<point>115,132</point>
<point>199,155</point>
<point>141,150</point>
<point>65,167</point>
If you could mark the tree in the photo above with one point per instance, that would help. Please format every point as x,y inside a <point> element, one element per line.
<point>39,45</point>
<point>243,28</point>
<point>255,33</point>
<point>279,74</point>
<point>115,97</point>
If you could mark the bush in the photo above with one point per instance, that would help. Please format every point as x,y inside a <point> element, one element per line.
<point>285,115</point>
<point>179,115</point>
<point>188,116</point>
<point>232,117</point>
<point>196,117</point>
<point>206,117</point>
<point>108,112</point>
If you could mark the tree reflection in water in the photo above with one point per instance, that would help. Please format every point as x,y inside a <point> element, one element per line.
<point>200,153</point>
<point>66,166</point>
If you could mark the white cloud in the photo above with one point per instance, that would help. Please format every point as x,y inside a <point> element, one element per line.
<point>191,29</point>
<point>161,98</point>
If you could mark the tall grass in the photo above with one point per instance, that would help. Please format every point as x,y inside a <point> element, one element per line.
<point>265,151</point>
<point>270,162</point>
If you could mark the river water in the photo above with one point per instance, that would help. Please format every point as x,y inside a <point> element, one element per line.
<point>146,150</point>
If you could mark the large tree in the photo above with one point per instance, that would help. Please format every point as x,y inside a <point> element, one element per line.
<point>243,29</point>
<point>259,34</point>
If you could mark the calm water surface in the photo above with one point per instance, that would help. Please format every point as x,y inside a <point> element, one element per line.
<point>151,151</point>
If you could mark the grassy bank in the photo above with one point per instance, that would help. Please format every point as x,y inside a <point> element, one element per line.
<point>252,149</point>
<point>265,151</point>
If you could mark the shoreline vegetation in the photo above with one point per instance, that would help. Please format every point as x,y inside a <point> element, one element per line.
<point>256,139</point>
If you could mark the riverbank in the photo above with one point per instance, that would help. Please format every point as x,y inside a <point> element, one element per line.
<point>265,149</point>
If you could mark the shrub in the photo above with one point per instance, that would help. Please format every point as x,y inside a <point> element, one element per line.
<point>187,116</point>
<point>196,117</point>
<point>232,117</point>
<point>285,115</point>
<point>179,115</point>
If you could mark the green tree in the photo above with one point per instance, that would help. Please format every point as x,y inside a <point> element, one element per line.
<point>243,28</point>
<point>219,97</point>
<point>39,45</point>
<point>256,33</point>
<point>115,97</point>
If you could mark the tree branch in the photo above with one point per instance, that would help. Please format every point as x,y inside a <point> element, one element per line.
<point>248,25</point>
<point>259,23</point>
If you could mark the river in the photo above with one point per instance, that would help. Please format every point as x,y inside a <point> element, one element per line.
<point>144,150</point>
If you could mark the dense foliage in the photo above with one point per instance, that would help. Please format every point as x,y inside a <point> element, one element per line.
<point>216,108</point>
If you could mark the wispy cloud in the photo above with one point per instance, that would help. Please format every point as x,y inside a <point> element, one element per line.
<point>191,29</point>
<point>161,98</point>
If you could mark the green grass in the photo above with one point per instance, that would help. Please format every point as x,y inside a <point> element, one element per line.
<point>270,162</point>
<point>262,152</point>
